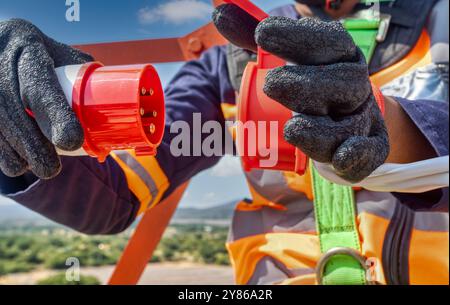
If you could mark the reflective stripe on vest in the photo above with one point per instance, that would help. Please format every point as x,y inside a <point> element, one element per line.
<point>145,178</point>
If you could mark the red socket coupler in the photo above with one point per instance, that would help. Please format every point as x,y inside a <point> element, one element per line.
<point>255,106</point>
<point>119,107</point>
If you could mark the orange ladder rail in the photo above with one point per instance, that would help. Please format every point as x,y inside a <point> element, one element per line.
<point>145,239</point>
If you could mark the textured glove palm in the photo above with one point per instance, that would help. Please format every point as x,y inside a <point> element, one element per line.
<point>28,80</point>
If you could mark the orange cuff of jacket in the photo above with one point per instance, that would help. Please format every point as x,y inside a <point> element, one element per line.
<point>379,98</point>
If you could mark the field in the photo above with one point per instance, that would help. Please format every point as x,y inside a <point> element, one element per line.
<point>29,253</point>
<point>177,273</point>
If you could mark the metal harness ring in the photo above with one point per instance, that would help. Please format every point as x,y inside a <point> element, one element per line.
<point>341,251</point>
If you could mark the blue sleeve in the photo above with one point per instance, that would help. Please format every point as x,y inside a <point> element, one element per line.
<point>100,198</point>
<point>198,88</point>
<point>88,196</point>
<point>431,118</point>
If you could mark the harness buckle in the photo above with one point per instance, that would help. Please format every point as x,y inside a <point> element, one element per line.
<point>320,270</point>
<point>383,29</point>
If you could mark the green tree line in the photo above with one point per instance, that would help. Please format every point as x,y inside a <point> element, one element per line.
<point>28,248</point>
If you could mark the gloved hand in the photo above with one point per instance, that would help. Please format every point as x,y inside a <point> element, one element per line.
<point>338,120</point>
<point>28,80</point>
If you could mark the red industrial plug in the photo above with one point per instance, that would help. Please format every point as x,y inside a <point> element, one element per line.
<point>119,107</point>
<point>254,105</point>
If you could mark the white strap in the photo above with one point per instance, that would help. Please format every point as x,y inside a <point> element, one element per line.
<point>418,177</point>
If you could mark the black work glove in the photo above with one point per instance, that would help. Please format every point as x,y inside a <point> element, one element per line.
<point>28,80</point>
<point>338,120</point>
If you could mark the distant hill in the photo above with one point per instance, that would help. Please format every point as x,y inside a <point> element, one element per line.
<point>17,212</point>
<point>15,215</point>
<point>214,215</point>
<point>218,214</point>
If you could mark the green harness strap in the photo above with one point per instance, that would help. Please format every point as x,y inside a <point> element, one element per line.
<point>368,28</point>
<point>365,33</point>
<point>335,209</point>
<point>336,224</point>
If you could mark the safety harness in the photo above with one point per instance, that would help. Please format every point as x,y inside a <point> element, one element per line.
<point>335,208</point>
<point>335,213</point>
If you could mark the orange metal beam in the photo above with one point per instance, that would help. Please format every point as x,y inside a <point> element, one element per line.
<point>218,2</point>
<point>200,40</point>
<point>144,241</point>
<point>156,50</point>
<point>134,52</point>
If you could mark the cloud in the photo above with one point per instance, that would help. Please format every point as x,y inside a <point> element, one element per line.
<point>176,12</point>
<point>208,197</point>
<point>229,166</point>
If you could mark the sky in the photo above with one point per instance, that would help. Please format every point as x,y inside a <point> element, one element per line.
<point>120,20</point>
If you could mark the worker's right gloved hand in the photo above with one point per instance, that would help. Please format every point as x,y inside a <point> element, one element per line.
<point>28,81</point>
<point>337,118</point>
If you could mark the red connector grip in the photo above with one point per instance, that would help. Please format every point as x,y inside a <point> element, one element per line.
<point>119,107</point>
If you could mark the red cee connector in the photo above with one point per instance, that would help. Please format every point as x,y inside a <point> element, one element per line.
<point>119,107</point>
<point>255,106</point>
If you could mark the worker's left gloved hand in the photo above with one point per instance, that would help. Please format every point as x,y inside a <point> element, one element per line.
<point>28,80</point>
<point>338,120</point>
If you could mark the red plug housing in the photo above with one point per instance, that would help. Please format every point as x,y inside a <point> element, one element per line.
<point>254,105</point>
<point>119,107</point>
